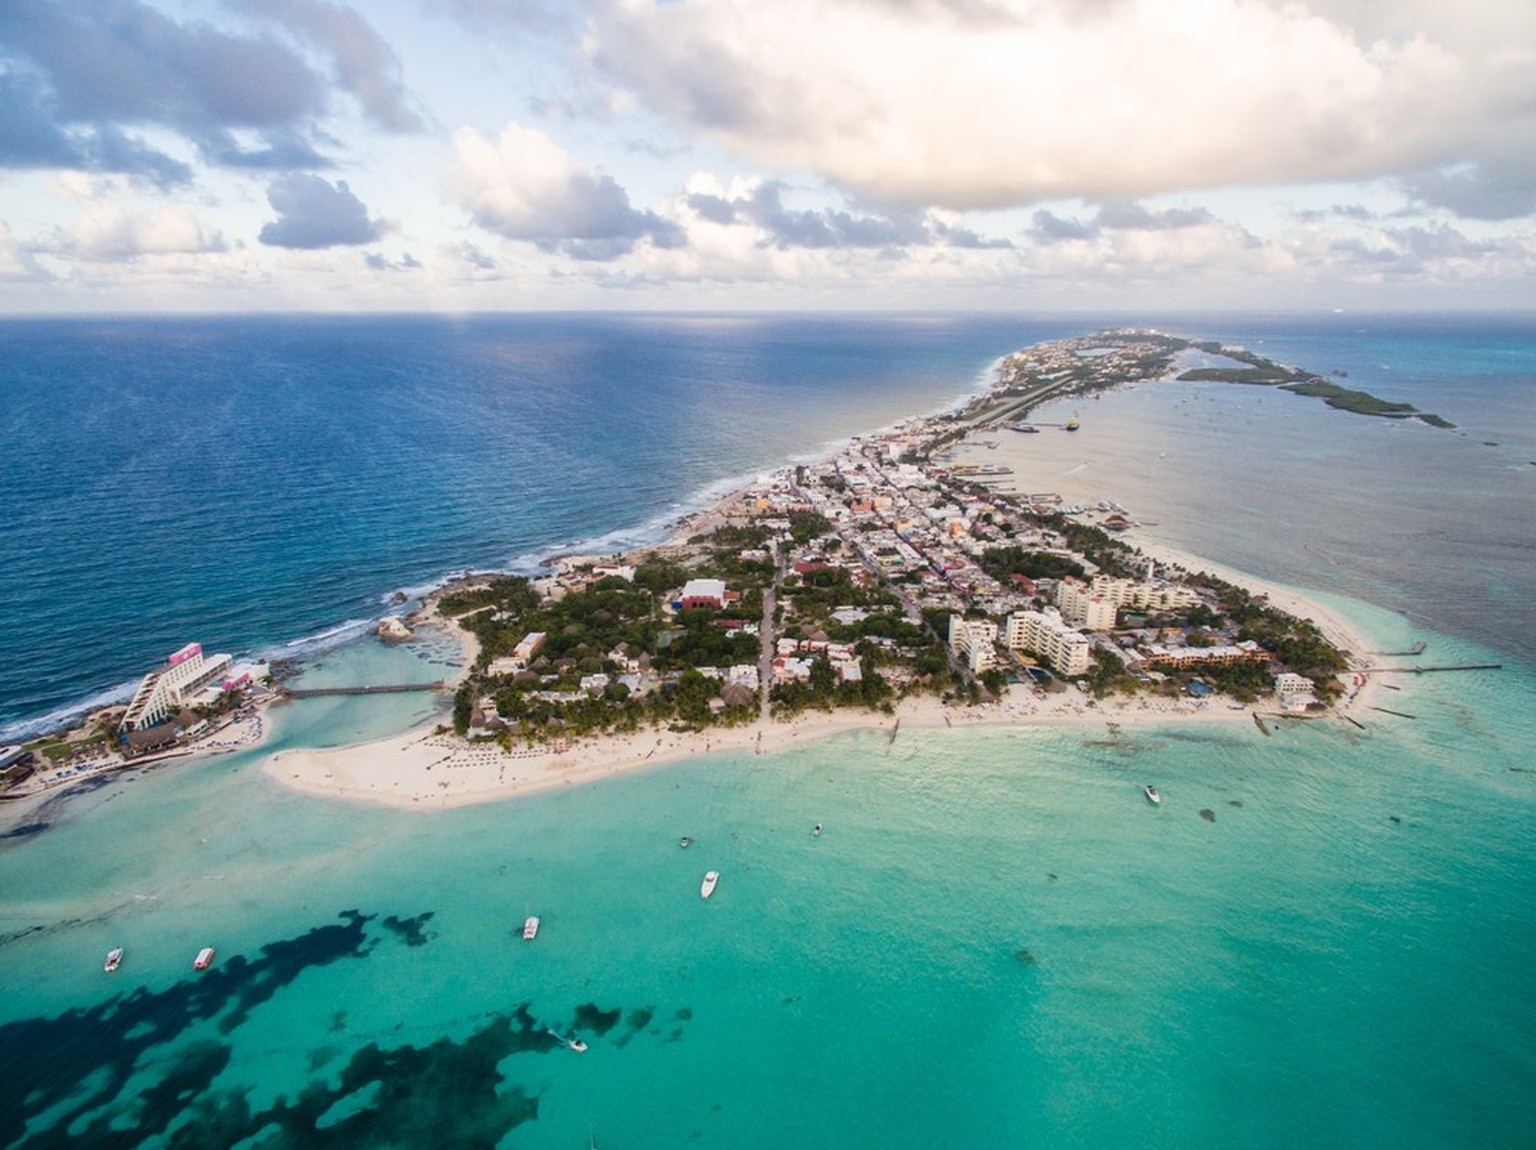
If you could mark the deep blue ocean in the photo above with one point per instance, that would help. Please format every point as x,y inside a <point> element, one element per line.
<point>253,482</point>
<point>995,942</point>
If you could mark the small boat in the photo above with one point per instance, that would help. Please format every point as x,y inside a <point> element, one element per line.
<point>816,830</point>
<point>575,1044</point>
<point>531,927</point>
<point>707,887</point>
<point>204,959</point>
<point>685,842</point>
<point>1152,796</point>
<point>114,959</point>
<point>1073,424</point>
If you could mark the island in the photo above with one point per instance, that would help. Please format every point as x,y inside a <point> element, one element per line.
<point>887,584</point>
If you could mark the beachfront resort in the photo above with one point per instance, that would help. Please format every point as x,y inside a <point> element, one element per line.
<point>192,703</point>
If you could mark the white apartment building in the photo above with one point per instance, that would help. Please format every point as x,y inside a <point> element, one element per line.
<point>973,642</point>
<point>1081,606</point>
<point>1295,692</point>
<point>1046,634</point>
<point>1144,594</point>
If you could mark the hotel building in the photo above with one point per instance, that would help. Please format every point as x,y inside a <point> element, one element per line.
<point>973,642</point>
<point>1081,606</point>
<point>1143,594</point>
<point>167,690</point>
<point>1046,634</point>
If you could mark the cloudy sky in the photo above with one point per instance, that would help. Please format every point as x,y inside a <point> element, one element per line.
<point>234,155</point>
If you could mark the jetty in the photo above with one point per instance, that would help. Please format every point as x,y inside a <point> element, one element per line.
<point>1416,649</point>
<point>1426,670</point>
<point>392,689</point>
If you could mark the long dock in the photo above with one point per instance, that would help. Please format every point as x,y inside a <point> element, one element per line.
<point>393,689</point>
<point>1423,670</point>
<point>1416,649</point>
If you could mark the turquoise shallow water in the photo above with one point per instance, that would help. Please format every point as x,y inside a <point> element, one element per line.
<point>1332,959</point>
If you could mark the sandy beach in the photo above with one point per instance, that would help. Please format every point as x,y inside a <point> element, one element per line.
<point>432,769</point>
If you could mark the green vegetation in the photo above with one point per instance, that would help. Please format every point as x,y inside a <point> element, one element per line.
<point>1362,402</point>
<point>1296,643</point>
<point>1265,375</point>
<point>1002,563</point>
<point>1346,399</point>
<point>1266,371</point>
<point>1246,682</point>
<point>1108,676</point>
<point>1094,544</point>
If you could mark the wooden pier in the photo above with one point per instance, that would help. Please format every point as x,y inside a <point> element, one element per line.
<point>393,689</point>
<point>1425,670</point>
<point>1416,649</point>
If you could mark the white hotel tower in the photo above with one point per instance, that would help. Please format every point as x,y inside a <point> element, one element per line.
<point>165,691</point>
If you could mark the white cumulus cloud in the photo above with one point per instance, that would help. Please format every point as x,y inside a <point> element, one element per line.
<point>524,186</point>
<point>1021,101</point>
<point>109,233</point>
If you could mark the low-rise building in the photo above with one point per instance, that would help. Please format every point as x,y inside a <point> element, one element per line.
<point>702,593</point>
<point>1176,658</point>
<point>529,646</point>
<point>1294,692</point>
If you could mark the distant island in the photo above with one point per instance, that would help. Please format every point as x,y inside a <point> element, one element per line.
<point>1268,372</point>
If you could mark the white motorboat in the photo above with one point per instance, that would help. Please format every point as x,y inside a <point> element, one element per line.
<point>1152,796</point>
<point>707,887</point>
<point>531,927</point>
<point>114,959</point>
<point>575,1044</point>
<point>204,959</point>
<point>816,830</point>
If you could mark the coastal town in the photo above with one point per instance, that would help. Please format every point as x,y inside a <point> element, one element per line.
<point>887,573</point>
<point>884,572</point>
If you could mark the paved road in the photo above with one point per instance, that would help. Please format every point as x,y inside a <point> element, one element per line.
<point>765,655</point>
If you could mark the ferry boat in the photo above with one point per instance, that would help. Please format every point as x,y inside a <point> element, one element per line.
<point>204,959</point>
<point>114,959</point>
<point>707,887</point>
<point>531,927</point>
<point>1152,796</point>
